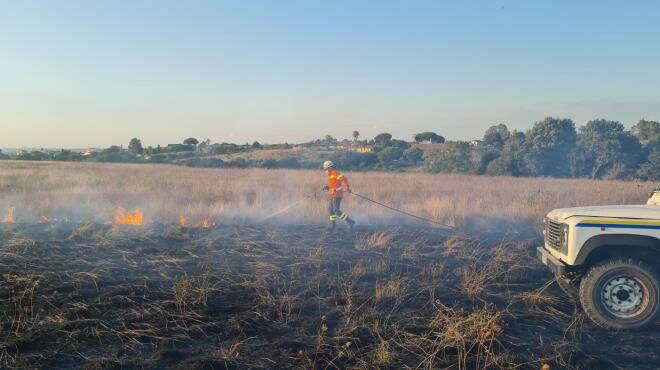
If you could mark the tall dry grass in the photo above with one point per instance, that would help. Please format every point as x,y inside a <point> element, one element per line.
<point>92,192</point>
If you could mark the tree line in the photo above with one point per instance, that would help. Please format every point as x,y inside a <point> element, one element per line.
<point>553,147</point>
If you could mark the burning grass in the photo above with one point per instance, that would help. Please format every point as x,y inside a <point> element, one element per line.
<point>134,218</point>
<point>84,192</point>
<point>9,216</point>
<point>164,296</point>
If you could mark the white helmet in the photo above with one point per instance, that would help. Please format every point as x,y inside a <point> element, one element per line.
<point>328,164</point>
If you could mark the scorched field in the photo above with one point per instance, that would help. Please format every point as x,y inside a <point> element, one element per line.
<point>158,267</point>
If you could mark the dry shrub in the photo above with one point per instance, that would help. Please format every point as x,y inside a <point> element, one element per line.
<point>359,270</point>
<point>365,268</point>
<point>277,299</point>
<point>191,291</point>
<point>393,289</point>
<point>347,293</point>
<point>378,240</point>
<point>383,355</point>
<point>231,352</point>
<point>19,244</point>
<point>549,307</point>
<point>22,296</point>
<point>567,355</point>
<point>182,290</point>
<point>83,231</point>
<point>462,248</point>
<point>380,267</point>
<point>412,249</point>
<point>478,276</point>
<point>464,339</point>
<point>433,271</point>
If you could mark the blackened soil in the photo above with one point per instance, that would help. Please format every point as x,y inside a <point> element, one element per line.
<point>234,297</point>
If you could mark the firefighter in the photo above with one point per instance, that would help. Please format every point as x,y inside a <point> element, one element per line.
<point>337,184</point>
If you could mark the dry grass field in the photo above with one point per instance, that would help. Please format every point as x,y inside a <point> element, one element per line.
<point>98,270</point>
<point>93,192</point>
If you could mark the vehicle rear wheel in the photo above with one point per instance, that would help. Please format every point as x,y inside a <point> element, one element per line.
<point>620,294</point>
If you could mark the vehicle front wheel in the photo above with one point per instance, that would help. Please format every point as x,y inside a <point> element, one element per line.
<point>621,294</point>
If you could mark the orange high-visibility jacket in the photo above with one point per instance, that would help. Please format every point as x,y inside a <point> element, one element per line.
<point>337,184</point>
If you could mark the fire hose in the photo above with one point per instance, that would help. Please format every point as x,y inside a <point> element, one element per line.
<point>402,211</point>
<point>448,227</point>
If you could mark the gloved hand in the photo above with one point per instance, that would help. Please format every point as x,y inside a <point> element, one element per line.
<point>326,188</point>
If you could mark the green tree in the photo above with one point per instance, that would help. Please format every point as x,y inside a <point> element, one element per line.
<point>486,158</point>
<point>135,146</point>
<point>609,150</point>
<point>646,131</point>
<point>399,144</point>
<point>429,137</point>
<point>650,170</point>
<point>551,143</point>
<point>413,154</point>
<point>112,149</point>
<point>191,141</point>
<point>256,145</point>
<point>35,155</point>
<point>356,135</point>
<point>390,154</point>
<point>383,140</point>
<point>496,136</point>
<point>351,160</point>
<point>268,163</point>
<point>513,159</point>
<point>454,156</point>
<point>66,155</point>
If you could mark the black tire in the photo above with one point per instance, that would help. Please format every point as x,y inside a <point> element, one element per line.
<point>567,287</point>
<point>635,307</point>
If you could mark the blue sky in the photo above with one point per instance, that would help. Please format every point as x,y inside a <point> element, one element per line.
<point>95,73</point>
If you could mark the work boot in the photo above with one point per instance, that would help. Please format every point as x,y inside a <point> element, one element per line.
<point>350,223</point>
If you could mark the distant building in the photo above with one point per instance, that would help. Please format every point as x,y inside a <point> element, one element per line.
<point>362,149</point>
<point>88,152</point>
<point>476,143</point>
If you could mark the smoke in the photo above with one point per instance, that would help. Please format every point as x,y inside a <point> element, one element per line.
<point>87,192</point>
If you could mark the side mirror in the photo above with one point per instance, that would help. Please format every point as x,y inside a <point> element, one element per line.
<point>654,199</point>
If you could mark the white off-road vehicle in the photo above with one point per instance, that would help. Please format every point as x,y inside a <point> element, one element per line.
<point>609,258</point>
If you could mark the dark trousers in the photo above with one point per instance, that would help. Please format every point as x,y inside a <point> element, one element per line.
<point>334,207</point>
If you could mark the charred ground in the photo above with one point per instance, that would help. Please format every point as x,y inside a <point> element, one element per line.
<point>98,296</point>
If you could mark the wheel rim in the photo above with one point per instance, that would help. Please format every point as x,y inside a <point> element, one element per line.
<point>623,296</point>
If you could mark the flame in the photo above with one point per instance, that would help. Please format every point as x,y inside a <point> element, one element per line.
<point>136,218</point>
<point>9,217</point>
<point>206,224</point>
